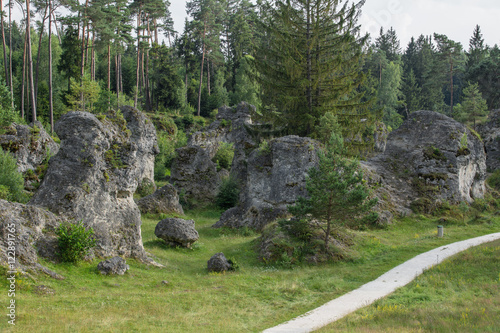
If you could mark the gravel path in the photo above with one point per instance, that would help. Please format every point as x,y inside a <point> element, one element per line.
<point>381,287</point>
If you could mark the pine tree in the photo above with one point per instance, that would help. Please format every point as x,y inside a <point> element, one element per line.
<point>337,196</point>
<point>206,27</point>
<point>473,104</point>
<point>451,62</point>
<point>311,64</point>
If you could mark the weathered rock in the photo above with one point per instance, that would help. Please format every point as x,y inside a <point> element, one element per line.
<point>218,263</point>
<point>113,266</point>
<point>430,156</point>
<point>30,145</point>
<point>229,126</point>
<point>177,232</point>
<point>25,233</point>
<point>164,200</point>
<point>490,133</point>
<point>194,173</point>
<point>96,172</point>
<point>275,177</point>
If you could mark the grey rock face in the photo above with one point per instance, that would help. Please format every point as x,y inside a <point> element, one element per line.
<point>194,173</point>
<point>177,232</point>
<point>431,156</point>
<point>96,172</point>
<point>164,200</point>
<point>490,133</point>
<point>29,144</point>
<point>193,170</point>
<point>113,266</point>
<point>31,231</point>
<point>218,263</point>
<point>275,177</point>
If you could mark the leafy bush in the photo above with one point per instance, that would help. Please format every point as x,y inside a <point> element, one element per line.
<point>228,193</point>
<point>7,113</point>
<point>11,179</point>
<point>224,156</point>
<point>146,187</point>
<point>74,241</point>
<point>494,180</point>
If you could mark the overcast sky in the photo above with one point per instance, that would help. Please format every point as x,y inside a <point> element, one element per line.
<point>454,18</point>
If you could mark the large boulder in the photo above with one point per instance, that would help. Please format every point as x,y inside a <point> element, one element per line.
<point>30,145</point>
<point>431,157</point>
<point>27,232</point>
<point>275,177</point>
<point>177,232</point>
<point>164,200</point>
<point>490,133</point>
<point>95,174</point>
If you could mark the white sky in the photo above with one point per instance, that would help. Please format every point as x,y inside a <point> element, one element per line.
<point>454,18</point>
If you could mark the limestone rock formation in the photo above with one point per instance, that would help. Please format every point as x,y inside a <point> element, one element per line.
<point>275,177</point>
<point>490,133</point>
<point>29,144</point>
<point>218,263</point>
<point>95,174</point>
<point>430,156</point>
<point>177,232</point>
<point>25,233</point>
<point>113,266</point>
<point>164,200</point>
<point>193,170</point>
<point>194,173</point>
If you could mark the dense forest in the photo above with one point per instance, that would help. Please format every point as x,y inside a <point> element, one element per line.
<point>303,63</point>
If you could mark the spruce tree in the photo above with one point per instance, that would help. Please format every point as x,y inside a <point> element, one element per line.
<point>310,62</point>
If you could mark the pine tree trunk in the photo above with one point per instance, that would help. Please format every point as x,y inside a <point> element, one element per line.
<point>146,70</point>
<point>109,74</point>
<point>37,70</point>
<point>10,54</point>
<point>82,63</point>
<point>201,75</point>
<point>30,63</point>
<point>117,75</point>
<point>208,76</point>
<point>92,58</point>
<point>138,58</point>
<point>309,64</point>
<point>451,87</point>
<point>4,47</point>
<point>51,106</point>
<point>24,75</point>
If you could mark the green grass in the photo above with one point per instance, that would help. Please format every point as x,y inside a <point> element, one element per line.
<point>460,295</point>
<point>249,300</point>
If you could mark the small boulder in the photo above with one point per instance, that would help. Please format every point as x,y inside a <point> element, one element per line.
<point>114,266</point>
<point>164,200</point>
<point>177,232</point>
<point>218,263</point>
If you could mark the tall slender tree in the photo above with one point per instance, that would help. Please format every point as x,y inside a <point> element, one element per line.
<point>311,64</point>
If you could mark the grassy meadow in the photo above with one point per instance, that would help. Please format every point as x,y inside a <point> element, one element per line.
<point>258,296</point>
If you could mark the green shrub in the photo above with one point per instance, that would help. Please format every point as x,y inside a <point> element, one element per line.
<point>224,156</point>
<point>228,193</point>
<point>74,241</point>
<point>146,187</point>
<point>11,178</point>
<point>7,113</point>
<point>494,180</point>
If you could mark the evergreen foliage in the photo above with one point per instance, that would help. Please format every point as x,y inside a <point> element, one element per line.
<point>11,181</point>
<point>337,195</point>
<point>309,63</point>
<point>228,194</point>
